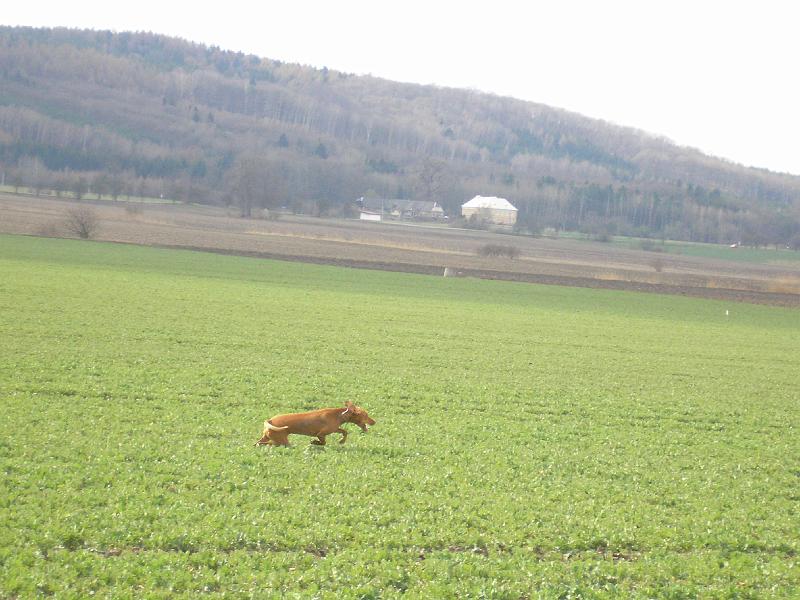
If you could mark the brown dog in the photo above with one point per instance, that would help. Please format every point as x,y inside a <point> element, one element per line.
<point>317,423</point>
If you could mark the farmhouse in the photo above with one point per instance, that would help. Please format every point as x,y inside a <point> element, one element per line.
<point>490,209</point>
<point>404,209</point>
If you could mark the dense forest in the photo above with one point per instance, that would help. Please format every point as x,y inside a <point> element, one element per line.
<point>139,114</point>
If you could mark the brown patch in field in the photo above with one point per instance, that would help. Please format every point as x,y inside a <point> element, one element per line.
<point>784,285</point>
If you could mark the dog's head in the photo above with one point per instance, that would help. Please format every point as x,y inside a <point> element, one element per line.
<point>357,415</point>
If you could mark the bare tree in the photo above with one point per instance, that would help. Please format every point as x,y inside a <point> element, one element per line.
<point>81,221</point>
<point>256,183</point>
<point>246,185</point>
<point>35,174</point>
<point>116,185</point>
<point>79,187</point>
<point>431,179</point>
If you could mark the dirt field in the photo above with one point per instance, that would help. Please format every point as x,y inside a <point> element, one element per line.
<point>412,248</point>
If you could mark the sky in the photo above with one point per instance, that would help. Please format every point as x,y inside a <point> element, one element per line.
<point>718,76</point>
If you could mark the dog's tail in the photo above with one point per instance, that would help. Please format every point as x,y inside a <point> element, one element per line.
<point>271,427</point>
<point>267,428</point>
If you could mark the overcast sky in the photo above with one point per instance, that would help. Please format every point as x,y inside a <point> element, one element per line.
<point>718,76</point>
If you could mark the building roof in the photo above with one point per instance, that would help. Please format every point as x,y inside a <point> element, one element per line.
<point>400,204</point>
<point>489,202</point>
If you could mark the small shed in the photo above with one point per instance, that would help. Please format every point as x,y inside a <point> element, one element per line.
<point>490,209</point>
<point>367,215</point>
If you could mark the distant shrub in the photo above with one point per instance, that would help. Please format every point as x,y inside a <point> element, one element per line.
<point>599,231</point>
<point>532,229</point>
<point>650,246</point>
<point>52,229</point>
<point>269,215</point>
<point>134,208</point>
<point>602,236</point>
<point>475,222</point>
<point>657,264</point>
<point>499,250</point>
<point>81,221</point>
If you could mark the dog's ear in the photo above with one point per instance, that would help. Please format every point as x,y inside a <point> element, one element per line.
<point>348,410</point>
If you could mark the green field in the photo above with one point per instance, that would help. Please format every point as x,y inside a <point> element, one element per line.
<point>761,256</point>
<point>531,441</point>
<point>767,255</point>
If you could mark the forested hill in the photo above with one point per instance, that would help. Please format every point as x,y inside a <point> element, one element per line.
<point>145,114</point>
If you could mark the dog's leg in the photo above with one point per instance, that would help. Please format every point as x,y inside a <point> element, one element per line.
<point>344,434</point>
<point>278,438</point>
<point>320,441</point>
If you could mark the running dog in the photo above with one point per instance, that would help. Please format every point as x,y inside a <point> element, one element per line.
<point>316,423</point>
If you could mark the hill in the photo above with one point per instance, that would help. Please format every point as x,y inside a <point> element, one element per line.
<point>144,114</point>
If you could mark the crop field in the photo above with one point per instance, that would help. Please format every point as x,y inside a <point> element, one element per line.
<point>531,441</point>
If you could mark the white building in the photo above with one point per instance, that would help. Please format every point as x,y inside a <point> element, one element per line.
<point>367,215</point>
<point>490,209</point>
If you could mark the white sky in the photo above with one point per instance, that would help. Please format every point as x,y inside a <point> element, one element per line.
<point>718,76</point>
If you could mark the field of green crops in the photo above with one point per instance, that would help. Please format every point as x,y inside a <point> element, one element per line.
<point>763,256</point>
<point>531,441</point>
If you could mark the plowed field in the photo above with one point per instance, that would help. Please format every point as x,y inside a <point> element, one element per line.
<point>415,248</point>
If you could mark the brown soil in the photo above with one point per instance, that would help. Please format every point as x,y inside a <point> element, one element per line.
<point>413,248</point>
